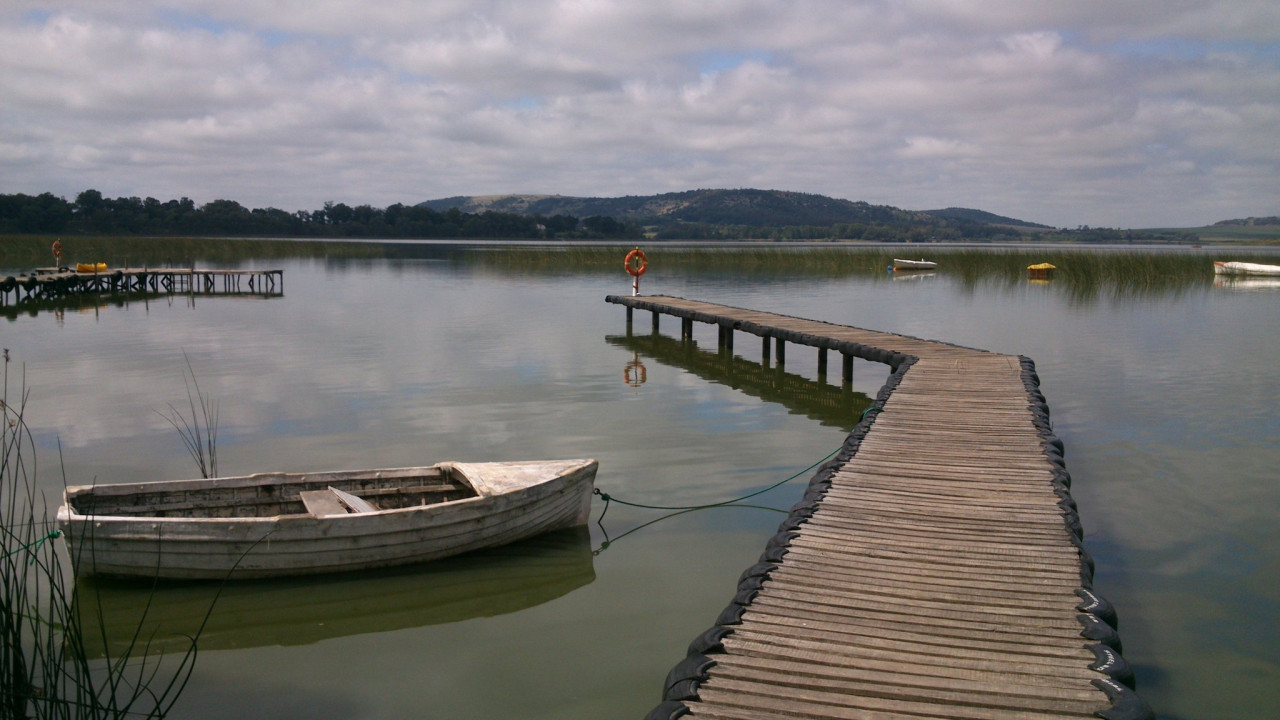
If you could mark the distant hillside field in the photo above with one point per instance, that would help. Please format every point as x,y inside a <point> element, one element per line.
<point>748,213</point>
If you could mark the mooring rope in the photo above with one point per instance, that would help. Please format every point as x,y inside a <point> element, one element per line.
<point>35,545</point>
<point>609,498</point>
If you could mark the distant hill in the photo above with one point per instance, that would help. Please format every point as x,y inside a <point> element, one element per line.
<point>724,213</point>
<point>1251,221</point>
<point>984,217</point>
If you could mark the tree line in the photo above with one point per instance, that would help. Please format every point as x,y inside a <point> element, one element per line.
<point>92,214</point>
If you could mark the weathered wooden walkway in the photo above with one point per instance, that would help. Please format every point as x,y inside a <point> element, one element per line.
<point>934,568</point>
<point>53,283</point>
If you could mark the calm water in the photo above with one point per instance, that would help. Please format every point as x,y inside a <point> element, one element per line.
<point>1169,406</point>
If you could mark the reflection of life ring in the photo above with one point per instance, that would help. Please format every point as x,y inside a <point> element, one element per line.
<point>637,262</point>
<point>640,374</point>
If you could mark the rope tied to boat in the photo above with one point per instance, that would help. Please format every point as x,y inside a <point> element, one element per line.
<point>34,546</point>
<point>609,498</point>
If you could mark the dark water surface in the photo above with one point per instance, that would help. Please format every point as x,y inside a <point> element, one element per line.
<point>1168,403</point>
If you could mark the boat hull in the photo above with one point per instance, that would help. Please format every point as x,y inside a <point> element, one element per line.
<point>1244,268</point>
<point>549,496</point>
<point>900,264</point>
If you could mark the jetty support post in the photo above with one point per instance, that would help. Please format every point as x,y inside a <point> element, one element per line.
<point>767,345</point>
<point>846,373</point>
<point>656,315</point>
<point>686,329</point>
<point>822,364</point>
<point>726,339</point>
<point>781,352</point>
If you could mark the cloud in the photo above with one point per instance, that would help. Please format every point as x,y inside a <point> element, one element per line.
<point>1124,113</point>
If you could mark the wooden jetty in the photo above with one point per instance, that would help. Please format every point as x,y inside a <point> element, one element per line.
<point>54,283</point>
<point>935,568</point>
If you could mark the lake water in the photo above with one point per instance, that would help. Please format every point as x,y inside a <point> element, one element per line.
<point>1168,403</point>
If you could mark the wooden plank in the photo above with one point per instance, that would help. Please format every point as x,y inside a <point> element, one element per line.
<point>322,502</point>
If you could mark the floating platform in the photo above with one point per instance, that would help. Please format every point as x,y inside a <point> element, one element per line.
<point>935,568</point>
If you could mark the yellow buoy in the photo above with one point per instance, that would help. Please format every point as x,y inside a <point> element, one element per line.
<point>1041,271</point>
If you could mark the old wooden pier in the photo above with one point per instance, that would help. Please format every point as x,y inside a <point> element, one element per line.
<point>934,568</point>
<point>53,283</point>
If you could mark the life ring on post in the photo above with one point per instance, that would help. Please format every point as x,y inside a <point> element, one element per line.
<point>636,263</point>
<point>57,249</point>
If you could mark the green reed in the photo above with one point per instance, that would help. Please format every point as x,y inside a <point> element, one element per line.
<point>46,667</point>
<point>1082,274</point>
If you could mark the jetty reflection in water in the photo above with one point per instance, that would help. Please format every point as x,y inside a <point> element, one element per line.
<point>302,611</point>
<point>830,405</point>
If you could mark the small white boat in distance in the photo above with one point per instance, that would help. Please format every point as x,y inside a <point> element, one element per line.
<point>276,524</point>
<point>1244,268</point>
<point>922,264</point>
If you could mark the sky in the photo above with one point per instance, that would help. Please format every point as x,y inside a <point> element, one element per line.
<point>1110,113</point>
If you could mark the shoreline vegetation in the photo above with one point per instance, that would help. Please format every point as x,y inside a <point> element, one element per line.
<point>701,215</point>
<point>1082,272</point>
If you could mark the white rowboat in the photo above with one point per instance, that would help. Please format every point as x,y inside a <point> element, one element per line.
<point>276,524</point>
<point>1244,268</point>
<point>922,264</point>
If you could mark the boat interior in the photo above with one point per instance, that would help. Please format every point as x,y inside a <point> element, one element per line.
<point>271,495</point>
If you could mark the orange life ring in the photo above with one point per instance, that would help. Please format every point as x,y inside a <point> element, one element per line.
<point>57,247</point>
<point>637,262</point>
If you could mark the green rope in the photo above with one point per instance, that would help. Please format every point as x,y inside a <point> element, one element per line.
<point>34,545</point>
<point>609,498</point>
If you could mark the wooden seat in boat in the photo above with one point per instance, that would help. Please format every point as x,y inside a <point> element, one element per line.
<point>332,501</point>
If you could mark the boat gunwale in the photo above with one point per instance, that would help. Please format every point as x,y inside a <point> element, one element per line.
<point>67,513</point>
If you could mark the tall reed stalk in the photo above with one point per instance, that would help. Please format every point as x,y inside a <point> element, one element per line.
<point>45,665</point>
<point>199,432</point>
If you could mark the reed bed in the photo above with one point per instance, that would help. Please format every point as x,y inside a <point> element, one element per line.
<point>46,670</point>
<point>1083,274</point>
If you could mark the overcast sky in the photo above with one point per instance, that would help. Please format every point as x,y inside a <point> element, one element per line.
<point>1123,113</point>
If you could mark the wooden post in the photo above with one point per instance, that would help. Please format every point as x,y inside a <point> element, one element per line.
<point>822,364</point>
<point>726,340</point>
<point>686,329</point>
<point>782,353</point>
<point>656,315</point>
<point>846,375</point>
<point>764,352</point>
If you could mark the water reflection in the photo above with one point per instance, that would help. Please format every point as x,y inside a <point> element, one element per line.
<point>95,302</point>
<point>1246,284</point>
<point>302,611</point>
<point>830,405</point>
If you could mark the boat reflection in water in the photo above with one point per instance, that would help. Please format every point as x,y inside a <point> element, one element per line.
<point>1246,283</point>
<point>301,611</point>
